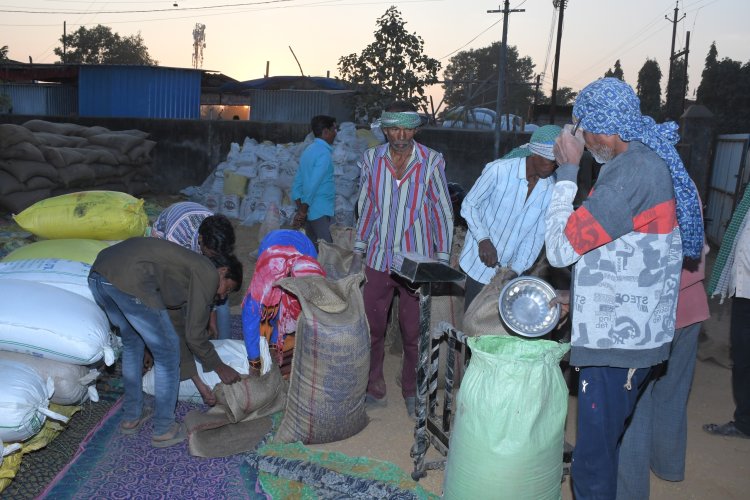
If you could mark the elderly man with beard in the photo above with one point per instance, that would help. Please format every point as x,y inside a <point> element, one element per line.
<point>627,242</point>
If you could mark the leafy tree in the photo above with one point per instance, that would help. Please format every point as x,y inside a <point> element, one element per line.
<point>99,45</point>
<point>616,73</point>
<point>4,53</point>
<point>394,66</point>
<point>471,79</point>
<point>649,88</point>
<point>565,97</point>
<point>676,91</point>
<point>724,90</point>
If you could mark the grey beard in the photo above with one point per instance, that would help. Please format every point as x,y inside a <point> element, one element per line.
<point>602,155</point>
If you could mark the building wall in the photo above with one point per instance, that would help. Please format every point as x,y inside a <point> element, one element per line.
<point>41,99</point>
<point>139,91</point>
<point>298,106</point>
<point>187,151</point>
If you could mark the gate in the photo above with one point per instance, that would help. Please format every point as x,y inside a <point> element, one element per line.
<point>729,173</point>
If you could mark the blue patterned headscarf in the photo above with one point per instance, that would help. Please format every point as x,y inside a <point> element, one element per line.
<point>609,106</point>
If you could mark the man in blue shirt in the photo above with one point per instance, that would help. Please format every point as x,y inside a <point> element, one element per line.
<point>313,190</point>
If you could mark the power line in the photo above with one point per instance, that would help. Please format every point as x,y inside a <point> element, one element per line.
<point>467,43</point>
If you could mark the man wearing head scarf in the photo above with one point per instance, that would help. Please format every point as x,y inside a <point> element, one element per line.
<point>627,243</point>
<point>404,206</point>
<point>504,211</point>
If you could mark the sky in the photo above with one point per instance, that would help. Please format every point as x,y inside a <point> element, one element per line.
<point>242,36</point>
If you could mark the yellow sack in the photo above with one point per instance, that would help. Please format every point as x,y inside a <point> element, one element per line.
<point>235,184</point>
<point>78,250</point>
<point>99,215</point>
<point>368,136</point>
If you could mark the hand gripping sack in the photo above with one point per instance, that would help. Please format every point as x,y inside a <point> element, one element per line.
<point>52,323</point>
<point>99,215</point>
<point>24,400</point>
<point>508,434</point>
<point>326,396</point>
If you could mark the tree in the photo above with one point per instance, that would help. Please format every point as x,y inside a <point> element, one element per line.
<point>392,67</point>
<point>565,97</point>
<point>649,88</point>
<point>676,91</point>
<point>724,90</point>
<point>616,73</point>
<point>4,53</point>
<point>99,45</point>
<point>471,79</point>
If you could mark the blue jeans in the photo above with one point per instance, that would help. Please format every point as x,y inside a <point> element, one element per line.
<point>224,321</point>
<point>604,407</point>
<point>141,326</point>
<point>656,437</point>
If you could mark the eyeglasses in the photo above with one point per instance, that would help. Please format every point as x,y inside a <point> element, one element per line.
<point>575,127</point>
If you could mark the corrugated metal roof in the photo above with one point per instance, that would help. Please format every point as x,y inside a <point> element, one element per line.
<point>298,106</point>
<point>139,92</point>
<point>41,99</point>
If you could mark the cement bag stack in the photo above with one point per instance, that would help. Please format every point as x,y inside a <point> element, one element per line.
<point>52,323</point>
<point>40,159</point>
<point>257,177</point>
<point>24,398</point>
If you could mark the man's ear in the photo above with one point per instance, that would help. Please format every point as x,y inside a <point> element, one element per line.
<point>223,270</point>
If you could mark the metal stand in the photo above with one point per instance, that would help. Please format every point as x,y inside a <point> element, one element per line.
<point>430,427</point>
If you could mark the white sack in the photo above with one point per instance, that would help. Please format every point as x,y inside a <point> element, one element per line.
<point>24,401</point>
<point>61,273</point>
<point>45,321</point>
<point>74,384</point>
<point>232,352</point>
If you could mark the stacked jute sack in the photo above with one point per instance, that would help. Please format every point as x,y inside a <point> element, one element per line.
<point>254,183</point>
<point>40,159</point>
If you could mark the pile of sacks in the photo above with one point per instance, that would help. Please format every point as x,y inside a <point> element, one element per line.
<point>39,159</point>
<point>255,182</point>
<point>53,335</point>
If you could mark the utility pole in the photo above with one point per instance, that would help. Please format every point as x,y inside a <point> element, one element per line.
<point>65,41</point>
<point>501,78</point>
<point>674,22</point>
<point>558,4</point>
<point>676,56</point>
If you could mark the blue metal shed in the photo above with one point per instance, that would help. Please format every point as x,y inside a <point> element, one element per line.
<point>139,91</point>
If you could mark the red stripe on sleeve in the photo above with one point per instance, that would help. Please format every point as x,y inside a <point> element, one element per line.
<point>661,219</point>
<point>584,232</point>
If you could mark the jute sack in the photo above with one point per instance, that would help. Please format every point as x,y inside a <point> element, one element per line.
<point>343,236</point>
<point>483,315</point>
<point>334,259</point>
<point>240,418</point>
<point>326,398</point>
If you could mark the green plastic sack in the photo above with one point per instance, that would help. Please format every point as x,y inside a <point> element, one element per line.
<point>508,434</point>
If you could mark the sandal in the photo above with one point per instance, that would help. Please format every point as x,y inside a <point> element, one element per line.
<point>132,427</point>
<point>728,430</point>
<point>175,434</point>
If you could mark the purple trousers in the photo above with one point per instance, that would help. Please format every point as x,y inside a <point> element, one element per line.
<point>378,294</point>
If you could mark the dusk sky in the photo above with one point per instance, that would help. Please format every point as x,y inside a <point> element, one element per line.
<point>242,36</point>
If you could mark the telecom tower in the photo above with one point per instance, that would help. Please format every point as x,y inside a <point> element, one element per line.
<point>199,43</point>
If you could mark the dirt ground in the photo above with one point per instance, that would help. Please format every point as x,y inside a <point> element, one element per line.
<point>716,467</point>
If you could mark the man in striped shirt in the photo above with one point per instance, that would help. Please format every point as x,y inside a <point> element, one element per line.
<point>404,206</point>
<point>505,209</point>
